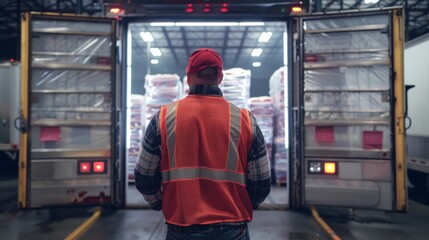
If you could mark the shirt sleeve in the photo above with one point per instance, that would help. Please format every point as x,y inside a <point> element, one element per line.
<point>147,172</point>
<point>259,170</point>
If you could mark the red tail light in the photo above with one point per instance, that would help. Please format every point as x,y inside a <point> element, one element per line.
<point>207,8</point>
<point>224,8</point>
<point>84,167</point>
<point>91,167</point>
<point>99,167</point>
<point>190,8</point>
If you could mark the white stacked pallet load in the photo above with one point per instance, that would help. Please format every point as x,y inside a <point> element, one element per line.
<point>280,162</point>
<point>161,89</point>
<point>263,110</point>
<point>185,86</point>
<point>236,86</point>
<point>137,124</point>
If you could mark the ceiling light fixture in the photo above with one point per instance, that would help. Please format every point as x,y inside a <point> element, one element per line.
<point>155,52</point>
<point>250,24</point>
<point>256,64</point>
<point>256,52</point>
<point>370,1</point>
<point>205,24</point>
<point>154,61</point>
<point>162,24</point>
<point>265,37</point>
<point>147,36</point>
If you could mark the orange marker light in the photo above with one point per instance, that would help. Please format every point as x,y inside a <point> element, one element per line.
<point>296,9</point>
<point>330,168</point>
<point>115,10</point>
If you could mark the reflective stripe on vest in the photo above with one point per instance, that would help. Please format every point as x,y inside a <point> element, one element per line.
<point>229,174</point>
<point>234,131</point>
<point>201,172</point>
<point>170,123</point>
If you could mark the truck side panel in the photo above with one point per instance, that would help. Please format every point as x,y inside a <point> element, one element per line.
<point>417,73</point>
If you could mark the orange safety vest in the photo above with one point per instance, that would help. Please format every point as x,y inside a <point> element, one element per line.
<point>205,141</point>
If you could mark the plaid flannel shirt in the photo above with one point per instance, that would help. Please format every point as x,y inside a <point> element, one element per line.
<point>148,174</point>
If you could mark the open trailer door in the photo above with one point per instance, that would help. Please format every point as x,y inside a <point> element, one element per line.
<point>348,147</point>
<point>69,143</point>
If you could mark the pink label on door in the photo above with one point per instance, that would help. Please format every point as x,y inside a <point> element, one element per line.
<point>50,134</point>
<point>372,139</point>
<point>325,134</point>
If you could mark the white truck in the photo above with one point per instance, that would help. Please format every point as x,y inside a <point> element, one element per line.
<point>9,108</point>
<point>417,74</point>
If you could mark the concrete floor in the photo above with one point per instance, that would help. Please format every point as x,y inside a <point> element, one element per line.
<point>364,224</point>
<point>150,225</point>
<point>267,225</point>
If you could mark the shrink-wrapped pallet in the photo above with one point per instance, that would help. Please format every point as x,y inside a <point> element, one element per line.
<point>280,161</point>
<point>236,86</point>
<point>262,109</point>
<point>278,94</point>
<point>136,131</point>
<point>161,89</point>
<point>185,86</point>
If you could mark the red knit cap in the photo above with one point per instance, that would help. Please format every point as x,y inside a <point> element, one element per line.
<point>203,58</point>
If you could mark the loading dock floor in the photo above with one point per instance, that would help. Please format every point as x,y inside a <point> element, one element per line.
<point>139,224</point>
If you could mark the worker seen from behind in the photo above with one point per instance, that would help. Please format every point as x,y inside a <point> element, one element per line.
<point>203,160</point>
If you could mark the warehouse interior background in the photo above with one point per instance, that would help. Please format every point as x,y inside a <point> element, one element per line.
<point>234,43</point>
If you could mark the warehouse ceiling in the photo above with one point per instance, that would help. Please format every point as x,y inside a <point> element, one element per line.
<point>234,43</point>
